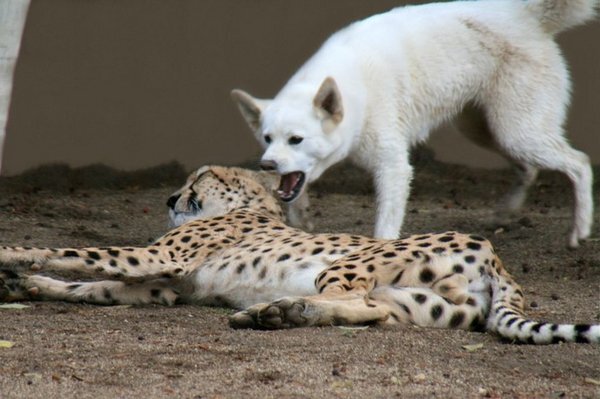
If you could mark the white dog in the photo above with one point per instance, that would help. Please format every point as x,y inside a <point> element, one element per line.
<point>379,86</point>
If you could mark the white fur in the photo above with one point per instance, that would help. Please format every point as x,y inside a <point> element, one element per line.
<point>379,86</point>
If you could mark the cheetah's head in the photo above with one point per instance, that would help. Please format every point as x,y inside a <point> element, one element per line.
<point>216,190</point>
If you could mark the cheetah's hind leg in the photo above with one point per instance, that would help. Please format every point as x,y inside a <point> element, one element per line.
<point>21,287</point>
<point>318,310</point>
<point>13,287</point>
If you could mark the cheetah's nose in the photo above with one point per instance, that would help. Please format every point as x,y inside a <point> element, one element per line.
<point>268,165</point>
<point>173,200</point>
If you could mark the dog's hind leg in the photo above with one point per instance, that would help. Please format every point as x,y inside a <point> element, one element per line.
<point>525,112</point>
<point>472,124</point>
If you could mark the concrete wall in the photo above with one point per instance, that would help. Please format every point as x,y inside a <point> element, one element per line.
<point>137,83</point>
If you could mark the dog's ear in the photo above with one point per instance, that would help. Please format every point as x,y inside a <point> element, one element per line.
<point>328,101</point>
<point>250,107</point>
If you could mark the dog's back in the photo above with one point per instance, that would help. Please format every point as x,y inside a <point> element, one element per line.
<point>381,85</point>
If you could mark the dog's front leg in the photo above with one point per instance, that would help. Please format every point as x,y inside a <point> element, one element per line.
<point>297,213</point>
<point>392,185</point>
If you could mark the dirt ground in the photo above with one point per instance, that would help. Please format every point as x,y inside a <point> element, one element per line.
<point>76,350</point>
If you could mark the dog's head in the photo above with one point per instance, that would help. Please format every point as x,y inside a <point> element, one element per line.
<point>299,131</point>
<point>217,190</point>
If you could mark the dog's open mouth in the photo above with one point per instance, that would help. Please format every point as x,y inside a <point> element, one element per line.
<point>290,186</point>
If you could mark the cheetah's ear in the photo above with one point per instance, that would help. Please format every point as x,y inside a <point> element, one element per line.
<point>250,107</point>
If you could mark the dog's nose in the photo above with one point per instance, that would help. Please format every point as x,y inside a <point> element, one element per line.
<point>173,200</point>
<point>268,165</point>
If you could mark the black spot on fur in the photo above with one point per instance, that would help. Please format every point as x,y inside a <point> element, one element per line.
<point>370,268</point>
<point>397,278</point>
<point>240,268</point>
<point>457,319</point>
<point>317,250</point>
<point>155,292</point>
<point>426,275</point>
<point>283,257</point>
<point>436,312</point>
<point>474,246</point>
<point>349,276</point>
<point>70,254</point>
<point>445,238</point>
<point>389,255</point>
<point>420,298</point>
<point>470,259</point>
<point>458,268</point>
<point>477,325</point>
<point>133,261</point>
<point>186,239</point>
<point>94,255</point>
<point>581,329</point>
<point>114,253</point>
<point>511,321</point>
<point>256,261</point>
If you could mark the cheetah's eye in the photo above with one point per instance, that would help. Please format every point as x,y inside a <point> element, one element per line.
<point>295,140</point>
<point>195,204</point>
<point>268,139</point>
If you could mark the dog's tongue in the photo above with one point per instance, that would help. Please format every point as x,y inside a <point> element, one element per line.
<point>288,183</point>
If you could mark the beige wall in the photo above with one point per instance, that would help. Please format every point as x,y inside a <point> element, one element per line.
<point>137,83</point>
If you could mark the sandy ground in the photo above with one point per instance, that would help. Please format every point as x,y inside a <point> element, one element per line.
<point>77,350</point>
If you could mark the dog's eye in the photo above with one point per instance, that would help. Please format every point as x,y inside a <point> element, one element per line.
<point>268,139</point>
<point>294,140</point>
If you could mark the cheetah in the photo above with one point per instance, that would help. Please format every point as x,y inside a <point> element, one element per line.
<point>232,248</point>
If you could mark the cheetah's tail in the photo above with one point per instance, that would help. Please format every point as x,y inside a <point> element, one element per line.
<point>507,319</point>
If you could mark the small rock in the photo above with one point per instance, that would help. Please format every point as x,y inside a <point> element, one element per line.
<point>533,304</point>
<point>525,222</point>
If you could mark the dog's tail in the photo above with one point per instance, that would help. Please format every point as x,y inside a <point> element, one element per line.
<point>558,15</point>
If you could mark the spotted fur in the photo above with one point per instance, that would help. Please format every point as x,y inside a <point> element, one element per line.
<point>233,249</point>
